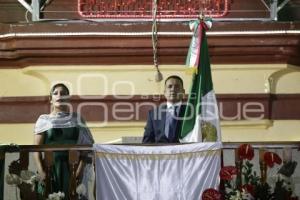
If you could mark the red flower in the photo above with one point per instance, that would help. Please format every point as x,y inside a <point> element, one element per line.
<point>246,151</point>
<point>211,194</point>
<point>249,188</point>
<point>227,173</point>
<point>271,158</point>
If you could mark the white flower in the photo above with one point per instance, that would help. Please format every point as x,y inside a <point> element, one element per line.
<point>56,196</point>
<point>81,190</point>
<point>36,178</point>
<point>26,174</point>
<point>237,196</point>
<point>13,179</point>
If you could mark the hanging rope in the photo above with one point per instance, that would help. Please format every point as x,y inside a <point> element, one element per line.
<point>158,76</point>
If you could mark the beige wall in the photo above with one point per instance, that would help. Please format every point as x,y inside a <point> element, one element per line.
<point>139,80</point>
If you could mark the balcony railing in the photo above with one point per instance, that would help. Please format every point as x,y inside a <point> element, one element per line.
<point>23,161</point>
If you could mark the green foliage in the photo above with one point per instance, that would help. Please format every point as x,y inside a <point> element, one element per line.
<point>250,176</point>
<point>262,191</point>
<point>280,191</point>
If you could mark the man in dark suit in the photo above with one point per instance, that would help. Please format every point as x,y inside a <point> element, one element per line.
<point>164,122</point>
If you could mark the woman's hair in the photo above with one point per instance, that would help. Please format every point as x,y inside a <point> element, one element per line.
<point>59,85</point>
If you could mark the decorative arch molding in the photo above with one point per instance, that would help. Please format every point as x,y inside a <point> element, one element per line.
<point>275,78</point>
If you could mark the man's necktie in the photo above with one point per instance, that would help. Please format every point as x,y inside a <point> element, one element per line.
<point>171,122</point>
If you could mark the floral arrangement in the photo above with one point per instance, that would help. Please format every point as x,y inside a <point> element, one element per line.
<point>81,192</point>
<point>29,178</point>
<point>241,182</point>
<point>23,179</point>
<point>27,182</point>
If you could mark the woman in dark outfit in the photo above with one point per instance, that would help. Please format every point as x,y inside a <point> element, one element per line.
<point>60,127</point>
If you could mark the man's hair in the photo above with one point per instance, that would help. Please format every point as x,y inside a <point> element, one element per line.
<point>59,85</point>
<point>174,77</point>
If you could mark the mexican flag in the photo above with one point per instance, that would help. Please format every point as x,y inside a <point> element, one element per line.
<point>201,119</point>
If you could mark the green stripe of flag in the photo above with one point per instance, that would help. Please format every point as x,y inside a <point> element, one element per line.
<point>201,85</point>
